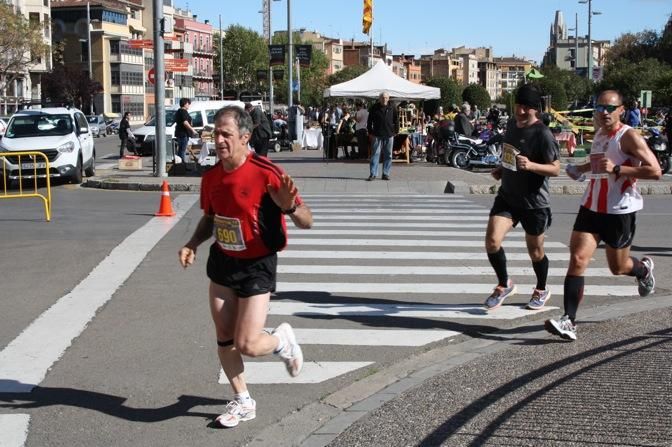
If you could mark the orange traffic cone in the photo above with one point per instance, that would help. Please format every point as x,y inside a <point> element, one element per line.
<point>166,207</point>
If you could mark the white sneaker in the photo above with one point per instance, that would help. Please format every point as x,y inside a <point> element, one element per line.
<point>291,352</point>
<point>237,412</point>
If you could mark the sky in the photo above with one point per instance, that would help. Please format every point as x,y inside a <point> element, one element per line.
<point>510,27</point>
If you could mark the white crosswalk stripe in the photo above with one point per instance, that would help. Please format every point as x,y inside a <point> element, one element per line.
<point>367,249</point>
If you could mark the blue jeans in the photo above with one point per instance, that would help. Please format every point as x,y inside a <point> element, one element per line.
<point>182,143</point>
<point>386,144</point>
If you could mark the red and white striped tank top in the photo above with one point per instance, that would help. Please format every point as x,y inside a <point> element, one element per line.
<point>611,195</point>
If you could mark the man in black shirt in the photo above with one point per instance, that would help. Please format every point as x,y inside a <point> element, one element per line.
<point>262,129</point>
<point>183,129</point>
<point>383,124</point>
<point>529,156</point>
<point>124,127</point>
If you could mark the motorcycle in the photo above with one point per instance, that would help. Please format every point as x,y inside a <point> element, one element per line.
<point>111,127</point>
<point>660,148</point>
<point>470,153</point>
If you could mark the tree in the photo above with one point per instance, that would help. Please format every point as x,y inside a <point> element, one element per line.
<point>630,78</point>
<point>69,85</point>
<point>244,52</point>
<point>348,73</point>
<point>21,44</point>
<point>565,87</point>
<point>451,91</point>
<point>476,94</point>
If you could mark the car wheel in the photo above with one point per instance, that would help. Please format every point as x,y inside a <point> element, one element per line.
<point>91,170</point>
<point>77,176</point>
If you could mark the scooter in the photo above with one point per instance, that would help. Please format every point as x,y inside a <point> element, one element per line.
<point>660,148</point>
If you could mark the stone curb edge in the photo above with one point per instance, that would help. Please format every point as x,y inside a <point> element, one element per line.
<point>319,423</point>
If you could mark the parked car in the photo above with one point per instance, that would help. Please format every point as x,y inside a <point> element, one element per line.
<point>61,133</point>
<point>97,125</point>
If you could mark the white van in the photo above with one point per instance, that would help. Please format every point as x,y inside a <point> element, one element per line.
<point>202,114</point>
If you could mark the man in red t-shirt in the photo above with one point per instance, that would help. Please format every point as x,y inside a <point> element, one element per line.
<point>244,197</point>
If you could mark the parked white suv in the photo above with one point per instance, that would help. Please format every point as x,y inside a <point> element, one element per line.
<point>61,133</point>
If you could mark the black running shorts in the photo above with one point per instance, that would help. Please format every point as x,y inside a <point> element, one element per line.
<point>246,277</point>
<point>616,230</point>
<point>534,221</point>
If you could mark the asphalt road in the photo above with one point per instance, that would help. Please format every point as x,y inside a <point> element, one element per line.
<point>138,364</point>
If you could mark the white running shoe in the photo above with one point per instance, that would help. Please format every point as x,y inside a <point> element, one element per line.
<point>291,352</point>
<point>237,412</point>
<point>562,327</point>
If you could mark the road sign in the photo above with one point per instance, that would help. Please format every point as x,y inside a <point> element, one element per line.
<point>141,43</point>
<point>177,65</point>
<point>151,76</point>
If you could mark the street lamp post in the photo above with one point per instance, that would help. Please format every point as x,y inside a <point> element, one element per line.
<point>290,99</point>
<point>591,13</point>
<point>576,40</point>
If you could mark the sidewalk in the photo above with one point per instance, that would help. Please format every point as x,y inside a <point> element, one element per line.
<point>314,174</point>
<point>516,387</point>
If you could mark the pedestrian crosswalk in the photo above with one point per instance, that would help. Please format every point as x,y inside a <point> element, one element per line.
<point>373,260</point>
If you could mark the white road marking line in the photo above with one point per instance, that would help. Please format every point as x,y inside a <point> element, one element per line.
<point>454,311</point>
<point>417,255</point>
<point>13,429</point>
<point>442,288</point>
<point>312,372</point>
<point>352,196</point>
<point>25,360</point>
<point>348,201</point>
<point>397,207</point>
<point>416,226</point>
<point>294,240</point>
<point>420,270</point>
<point>370,337</point>
<point>418,232</point>
<point>106,165</point>
<point>433,211</point>
<point>398,217</point>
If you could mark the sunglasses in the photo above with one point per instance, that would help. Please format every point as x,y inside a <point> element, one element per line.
<point>600,108</point>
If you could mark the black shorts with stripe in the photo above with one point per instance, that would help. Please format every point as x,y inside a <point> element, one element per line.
<point>616,230</point>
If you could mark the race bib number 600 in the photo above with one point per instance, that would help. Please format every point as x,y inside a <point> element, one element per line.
<point>228,233</point>
<point>509,153</point>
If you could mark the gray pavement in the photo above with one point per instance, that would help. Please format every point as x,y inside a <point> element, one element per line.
<point>315,174</point>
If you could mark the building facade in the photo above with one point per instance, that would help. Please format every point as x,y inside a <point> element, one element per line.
<point>512,72</point>
<point>199,37</point>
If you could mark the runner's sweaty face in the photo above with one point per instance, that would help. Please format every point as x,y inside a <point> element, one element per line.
<point>229,143</point>
<point>605,118</point>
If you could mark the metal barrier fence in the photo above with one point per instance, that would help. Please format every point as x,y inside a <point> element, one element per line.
<point>27,166</point>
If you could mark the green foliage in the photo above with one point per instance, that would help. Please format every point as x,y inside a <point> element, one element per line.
<point>451,91</point>
<point>630,77</point>
<point>508,100</point>
<point>21,44</point>
<point>244,52</point>
<point>70,85</point>
<point>564,86</point>
<point>348,73</point>
<point>478,95</point>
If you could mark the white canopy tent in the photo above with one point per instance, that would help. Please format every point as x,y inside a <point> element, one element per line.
<point>381,79</point>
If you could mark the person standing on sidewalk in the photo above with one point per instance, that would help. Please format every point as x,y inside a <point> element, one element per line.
<point>618,157</point>
<point>183,129</point>
<point>362,118</point>
<point>244,197</point>
<point>383,124</point>
<point>262,131</point>
<point>529,157</point>
<point>124,128</point>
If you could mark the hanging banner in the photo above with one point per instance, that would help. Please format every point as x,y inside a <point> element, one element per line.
<point>277,54</point>
<point>367,16</point>
<point>278,75</point>
<point>303,54</point>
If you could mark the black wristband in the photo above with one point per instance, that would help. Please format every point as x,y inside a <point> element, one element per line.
<point>289,211</point>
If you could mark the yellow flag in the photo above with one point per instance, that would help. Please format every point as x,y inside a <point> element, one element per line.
<point>367,17</point>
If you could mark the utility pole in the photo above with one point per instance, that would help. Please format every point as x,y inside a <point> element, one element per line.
<point>221,61</point>
<point>268,34</point>
<point>290,61</point>
<point>88,30</point>
<point>159,90</point>
<point>298,80</point>
<point>590,41</point>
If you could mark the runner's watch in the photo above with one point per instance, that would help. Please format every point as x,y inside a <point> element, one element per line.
<point>617,170</point>
<point>289,211</point>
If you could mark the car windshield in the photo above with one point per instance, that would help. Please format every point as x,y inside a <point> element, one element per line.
<point>39,126</point>
<point>92,119</point>
<point>170,119</point>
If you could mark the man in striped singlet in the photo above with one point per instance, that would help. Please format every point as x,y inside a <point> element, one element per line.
<point>618,157</point>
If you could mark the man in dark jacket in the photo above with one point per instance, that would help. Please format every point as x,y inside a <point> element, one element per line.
<point>462,124</point>
<point>383,124</point>
<point>124,127</point>
<point>262,129</point>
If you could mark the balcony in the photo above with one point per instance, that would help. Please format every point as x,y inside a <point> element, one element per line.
<point>205,50</point>
<point>202,74</point>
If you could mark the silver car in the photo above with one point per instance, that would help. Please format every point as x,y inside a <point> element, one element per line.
<point>97,125</point>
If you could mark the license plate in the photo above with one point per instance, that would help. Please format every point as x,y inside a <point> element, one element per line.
<point>33,165</point>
